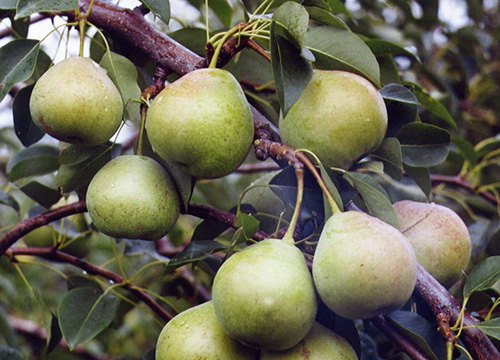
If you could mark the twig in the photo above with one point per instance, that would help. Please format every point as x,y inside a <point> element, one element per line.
<point>258,167</point>
<point>457,180</point>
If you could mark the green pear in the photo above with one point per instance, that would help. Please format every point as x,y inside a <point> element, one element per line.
<point>202,123</point>
<point>196,334</point>
<point>320,344</point>
<point>269,207</point>
<point>133,197</point>
<point>75,101</point>
<point>264,295</point>
<point>439,237</point>
<point>362,266</point>
<point>340,117</point>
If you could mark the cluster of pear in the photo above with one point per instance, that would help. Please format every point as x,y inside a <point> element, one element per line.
<point>204,112</point>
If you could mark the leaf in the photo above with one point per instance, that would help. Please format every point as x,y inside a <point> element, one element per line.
<point>29,7</point>
<point>184,183</point>
<point>248,223</point>
<point>383,47</point>
<point>433,105</point>
<point>375,197</point>
<point>491,328</point>
<point>466,150</point>
<point>397,92</point>
<point>483,276</point>
<point>26,130</point>
<point>326,18</point>
<point>160,8</point>
<point>6,330</point>
<point>295,19</point>
<point>124,75</point>
<point>41,193</point>
<point>208,230</point>
<point>195,251</point>
<point>222,10</point>
<point>8,4</point>
<point>422,178</point>
<point>55,335</point>
<point>420,332</point>
<point>389,152</point>
<point>423,145</point>
<point>18,59</point>
<point>337,49</point>
<point>32,161</point>
<point>85,312</point>
<point>6,199</point>
<point>291,71</point>
<point>8,353</point>
<point>400,114</point>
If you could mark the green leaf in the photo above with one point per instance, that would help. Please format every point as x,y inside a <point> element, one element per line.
<point>26,130</point>
<point>29,7</point>
<point>6,330</point>
<point>483,276</point>
<point>32,161</point>
<point>383,47</point>
<point>55,335</point>
<point>222,10</point>
<point>18,59</point>
<point>423,145</point>
<point>491,328</point>
<point>466,150</point>
<point>8,353</point>
<point>195,251</point>
<point>75,154</point>
<point>295,19</point>
<point>420,332</point>
<point>291,71</point>
<point>124,74</point>
<point>8,4</point>
<point>6,199</point>
<point>208,230</point>
<point>397,92</point>
<point>248,223</point>
<point>389,152</point>
<point>375,197</point>
<point>41,193</point>
<point>160,8</point>
<point>433,105</point>
<point>85,312</point>
<point>338,49</point>
<point>326,18</point>
<point>422,178</point>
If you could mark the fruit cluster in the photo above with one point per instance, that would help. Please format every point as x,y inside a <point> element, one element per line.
<point>264,296</point>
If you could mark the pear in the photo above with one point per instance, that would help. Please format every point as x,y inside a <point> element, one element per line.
<point>439,237</point>
<point>362,266</point>
<point>320,344</point>
<point>264,295</point>
<point>202,123</point>
<point>196,334</point>
<point>75,101</point>
<point>340,117</point>
<point>133,197</point>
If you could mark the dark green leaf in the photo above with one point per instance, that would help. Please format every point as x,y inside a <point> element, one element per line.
<point>423,145</point>
<point>26,130</point>
<point>8,353</point>
<point>183,182</point>
<point>75,154</point>
<point>420,332</point>
<point>400,114</point>
<point>383,47</point>
<point>338,49</point>
<point>491,328</point>
<point>160,8</point>
<point>55,336</point>
<point>483,276</point>
<point>78,281</point>
<point>192,38</point>
<point>208,230</point>
<point>389,152</point>
<point>18,59</point>
<point>433,105</point>
<point>29,7</point>
<point>397,92</point>
<point>291,71</point>
<point>85,312</point>
<point>249,224</point>
<point>466,150</point>
<point>32,161</point>
<point>124,74</point>
<point>326,18</point>
<point>195,251</point>
<point>294,18</point>
<point>222,10</point>
<point>8,4</point>
<point>375,197</point>
<point>6,199</point>
<point>43,63</point>
<point>421,177</point>
<point>41,193</point>
<point>6,330</point>
<point>20,27</point>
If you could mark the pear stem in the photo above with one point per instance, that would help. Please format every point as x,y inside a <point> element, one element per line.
<point>231,32</point>
<point>81,24</point>
<point>140,140</point>
<point>299,173</point>
<point>331,201</point>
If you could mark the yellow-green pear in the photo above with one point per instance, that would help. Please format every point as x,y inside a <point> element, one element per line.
<point>362,266</point>
<point>340,117</point>
<point>75,101</point>
<point>439,237</point>
<point>202,123</point>
<point>133,197</point>
<point>264,296</point>
<point>320,344</point>
<point>196,334</point>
